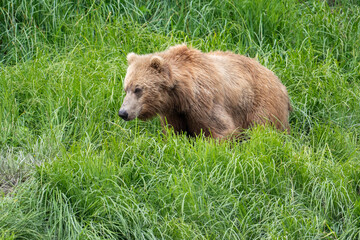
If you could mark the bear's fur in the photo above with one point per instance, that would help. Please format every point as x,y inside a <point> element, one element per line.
<point>217,93</point>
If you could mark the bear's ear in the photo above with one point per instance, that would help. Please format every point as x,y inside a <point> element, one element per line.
<point>156,62</point>
<point>131,57</point>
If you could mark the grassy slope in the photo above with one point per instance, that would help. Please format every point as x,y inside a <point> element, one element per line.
<point>88,175</point>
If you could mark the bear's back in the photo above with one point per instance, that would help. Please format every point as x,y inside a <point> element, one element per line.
<point>253,89</point>
<point>249,92</point>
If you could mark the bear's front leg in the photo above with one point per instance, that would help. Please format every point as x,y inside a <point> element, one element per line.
<point>175,121</point>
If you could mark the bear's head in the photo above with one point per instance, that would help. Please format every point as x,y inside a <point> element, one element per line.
<point>148,84</point>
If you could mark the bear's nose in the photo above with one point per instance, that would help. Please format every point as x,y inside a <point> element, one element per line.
<point>123,114</point>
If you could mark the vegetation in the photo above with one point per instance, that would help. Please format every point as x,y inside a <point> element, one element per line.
<point>71,169</point>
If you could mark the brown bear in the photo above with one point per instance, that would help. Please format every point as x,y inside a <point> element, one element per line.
<point>218,93</point>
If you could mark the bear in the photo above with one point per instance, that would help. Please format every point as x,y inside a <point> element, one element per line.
<point>217,94</point>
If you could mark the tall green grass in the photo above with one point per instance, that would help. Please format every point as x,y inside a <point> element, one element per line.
<point>71,169</point>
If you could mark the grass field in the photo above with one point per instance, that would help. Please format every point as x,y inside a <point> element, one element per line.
<point>70,168</point>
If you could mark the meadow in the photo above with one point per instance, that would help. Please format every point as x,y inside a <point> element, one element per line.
<point>70,168</point>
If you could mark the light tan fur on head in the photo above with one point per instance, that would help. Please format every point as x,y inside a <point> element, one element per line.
<point>146,81</point>
<point>217,93</point>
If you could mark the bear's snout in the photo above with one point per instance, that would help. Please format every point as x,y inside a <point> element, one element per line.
<point>123,114</point>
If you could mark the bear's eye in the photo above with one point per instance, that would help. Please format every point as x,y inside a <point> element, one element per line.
<point>137,90</point>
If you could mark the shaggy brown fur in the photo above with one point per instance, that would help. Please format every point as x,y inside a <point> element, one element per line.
<point>218,93</point>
